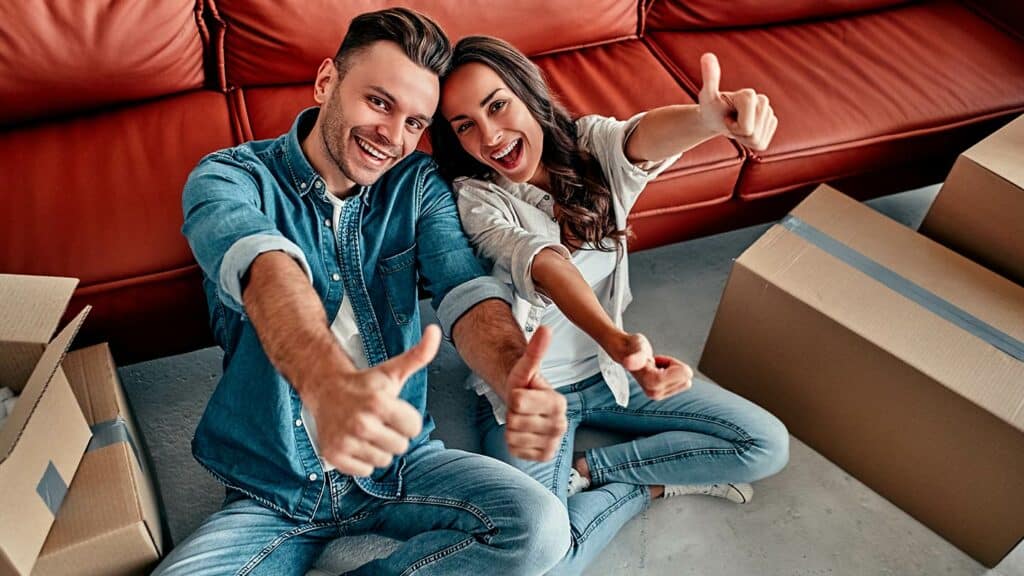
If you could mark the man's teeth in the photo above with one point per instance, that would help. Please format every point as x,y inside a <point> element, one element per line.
<point>370,150</point>
<point>504,151</point>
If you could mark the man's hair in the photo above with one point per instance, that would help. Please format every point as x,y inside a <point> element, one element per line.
<point>418,36</point>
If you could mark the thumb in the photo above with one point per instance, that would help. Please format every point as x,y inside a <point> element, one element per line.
<point>525,370</point>
<point>711,74</point>
<point>407,363</point>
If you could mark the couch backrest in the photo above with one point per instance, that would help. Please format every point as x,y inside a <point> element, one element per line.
<point>63,56</point>
<point>282,42</point>
<point>698,14</point>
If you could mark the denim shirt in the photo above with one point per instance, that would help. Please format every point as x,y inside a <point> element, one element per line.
<point>394,235</point>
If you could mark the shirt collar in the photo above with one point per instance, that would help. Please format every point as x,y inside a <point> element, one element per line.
<point>304,177</point>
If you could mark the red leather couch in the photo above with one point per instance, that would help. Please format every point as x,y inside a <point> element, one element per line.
<point>105,106</point>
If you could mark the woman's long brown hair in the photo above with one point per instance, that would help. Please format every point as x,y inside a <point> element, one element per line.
<point>576,180</point>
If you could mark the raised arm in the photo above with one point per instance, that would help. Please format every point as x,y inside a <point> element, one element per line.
<point>744,115</point>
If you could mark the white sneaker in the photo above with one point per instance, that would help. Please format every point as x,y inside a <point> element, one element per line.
<point>738,493</point>
<point>577,483</point>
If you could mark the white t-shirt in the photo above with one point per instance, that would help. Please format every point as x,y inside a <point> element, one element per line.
<point>347,332</point>
<point>576,355</point>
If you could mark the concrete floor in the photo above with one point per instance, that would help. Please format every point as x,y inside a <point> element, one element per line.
<point>812,518</point>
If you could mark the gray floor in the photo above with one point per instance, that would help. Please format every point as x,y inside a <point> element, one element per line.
<point>812,518</point>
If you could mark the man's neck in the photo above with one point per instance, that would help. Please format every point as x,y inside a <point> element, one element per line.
<point>314,148</point>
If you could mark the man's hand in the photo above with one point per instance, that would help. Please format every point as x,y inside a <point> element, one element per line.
<point>361,422</point>
<point>535,420</point>
<point>744,115</point>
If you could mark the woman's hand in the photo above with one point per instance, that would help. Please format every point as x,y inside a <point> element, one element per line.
<point>659,376</point>
<point>745,116</point>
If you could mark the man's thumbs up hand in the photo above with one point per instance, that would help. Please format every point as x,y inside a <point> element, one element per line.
<point>361,422</point>
<point>745,116</point>
<point>535,420</point>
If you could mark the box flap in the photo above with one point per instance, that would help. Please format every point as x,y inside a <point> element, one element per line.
<point>30,310</point>
<point>903,323</point>
<point>1003,152</point>
<point>31,306</point>
<point>37,382</point>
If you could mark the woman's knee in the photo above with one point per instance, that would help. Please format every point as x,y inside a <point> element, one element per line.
<point>769,447</point>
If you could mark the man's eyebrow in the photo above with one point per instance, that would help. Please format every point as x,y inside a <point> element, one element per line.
<point>427,120</point>
<point>483,103</point>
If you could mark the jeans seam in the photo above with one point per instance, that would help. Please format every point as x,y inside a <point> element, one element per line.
<point>439,555</point>
<point>665,458</point>
<point>744,437</point>
<point>277,542</point>
<point>582,537</point>
<point>458,504</point>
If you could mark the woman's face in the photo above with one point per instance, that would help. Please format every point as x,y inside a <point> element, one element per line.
<point>492,123</point>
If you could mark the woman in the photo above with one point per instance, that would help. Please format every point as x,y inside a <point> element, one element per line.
<point>546,198</point>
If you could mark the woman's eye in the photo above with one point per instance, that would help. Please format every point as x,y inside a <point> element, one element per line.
<point>461,128</point>
<point>497,105</point>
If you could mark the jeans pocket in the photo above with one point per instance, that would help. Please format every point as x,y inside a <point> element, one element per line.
<point>398,273</point>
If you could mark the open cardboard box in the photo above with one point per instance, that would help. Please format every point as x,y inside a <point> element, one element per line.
<point>894,357</point>
<point>43,439</point>
<point>109,524</point>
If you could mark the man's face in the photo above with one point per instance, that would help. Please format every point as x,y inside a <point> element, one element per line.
<point>375,115</point>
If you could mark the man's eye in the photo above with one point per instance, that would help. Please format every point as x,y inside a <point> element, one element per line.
<point>414,124</point>
<point>378,102</point>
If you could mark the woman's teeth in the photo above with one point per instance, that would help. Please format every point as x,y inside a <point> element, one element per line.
<point>504,151</point>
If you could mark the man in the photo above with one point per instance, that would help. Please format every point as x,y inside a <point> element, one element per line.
<point>311,246</point>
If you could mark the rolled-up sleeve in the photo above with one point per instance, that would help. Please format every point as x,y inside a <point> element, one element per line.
<point>449,269</point>
<point>491,228</point>
<point>605,138</point>
<point>225,227</point>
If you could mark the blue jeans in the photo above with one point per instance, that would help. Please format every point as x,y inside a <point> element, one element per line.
<point>701,436</point>
<point>458,513</point>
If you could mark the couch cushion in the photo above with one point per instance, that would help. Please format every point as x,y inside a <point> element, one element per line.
<point>284,42</point>
<point>99,198</point>
<point>58,56</point>
<point>624,78</point>
<point>863,93</point>
<point>698,14</point>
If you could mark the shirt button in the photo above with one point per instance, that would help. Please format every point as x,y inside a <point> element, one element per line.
<point>529,328</point>
<point>547,197</point>
<point>298,422</point>
<point>302,184</point>
<point>335,276</point>
<point>327,222</point>
<point>318,184</point>
<point>313,477</point>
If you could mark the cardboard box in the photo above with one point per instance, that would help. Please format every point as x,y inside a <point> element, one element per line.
<point>894,357</point>
<point>109,524</point>
<point>42,441</point>
<point>979,211</point>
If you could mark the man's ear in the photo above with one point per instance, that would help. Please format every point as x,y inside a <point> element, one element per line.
<point>325,76</point>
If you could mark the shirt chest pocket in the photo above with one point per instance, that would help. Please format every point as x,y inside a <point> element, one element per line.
<point>398,273</point>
